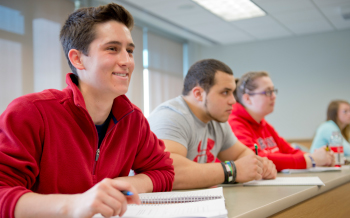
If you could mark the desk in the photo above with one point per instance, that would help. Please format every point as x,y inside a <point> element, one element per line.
<point>292,201</point>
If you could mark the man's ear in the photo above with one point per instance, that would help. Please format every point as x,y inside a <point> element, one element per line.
<point>75,57</point>
<point>198,93</point>
<point>246,99</point>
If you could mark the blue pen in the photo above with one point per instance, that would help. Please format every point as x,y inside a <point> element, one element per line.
<point>127,193</point>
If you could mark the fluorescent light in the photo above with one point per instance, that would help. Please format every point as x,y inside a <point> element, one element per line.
<point>231,10</point>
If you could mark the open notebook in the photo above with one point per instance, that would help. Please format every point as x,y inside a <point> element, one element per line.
<point>311,170</point>
<point>200,203</point>
<point>311,180</point>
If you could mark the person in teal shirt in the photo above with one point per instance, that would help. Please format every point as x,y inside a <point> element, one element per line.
<point>338,120</point>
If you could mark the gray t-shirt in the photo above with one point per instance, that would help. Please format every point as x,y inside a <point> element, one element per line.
<point>173,120</point>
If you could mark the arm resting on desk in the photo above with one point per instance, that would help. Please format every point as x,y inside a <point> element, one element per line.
<point>105,198</point>
<point>189,174</point>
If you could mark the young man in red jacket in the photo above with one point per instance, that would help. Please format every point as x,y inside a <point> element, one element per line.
<point>68,153</point>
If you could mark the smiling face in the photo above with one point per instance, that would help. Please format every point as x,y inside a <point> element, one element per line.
<point>219,100</point>
<point>344,114</point>
<point>108,67</point>
<point>261,104</point>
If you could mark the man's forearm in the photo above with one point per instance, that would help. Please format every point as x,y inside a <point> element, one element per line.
<point>245,153</point>
<point>38,205</point>
<point>189,174</point>
<point>141,182</point>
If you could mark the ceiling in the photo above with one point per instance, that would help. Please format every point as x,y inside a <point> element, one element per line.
<point>285,18</point>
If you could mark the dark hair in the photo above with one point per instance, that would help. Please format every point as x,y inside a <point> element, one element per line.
<point>332,114</point>
<point>78,31</point>
<point>247,83</point>
<point>202,73</point>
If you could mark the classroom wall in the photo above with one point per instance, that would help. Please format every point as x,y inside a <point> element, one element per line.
<point>308,71</point>
<point>31,56</point>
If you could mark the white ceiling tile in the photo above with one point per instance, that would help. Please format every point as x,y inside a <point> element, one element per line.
<point>147,3</point>
<point>232,37</point>
<point>212,27</point>
<point>285,18</point>
<point>175,8</point>
<point>296,16</point>
<point>231,40</point>
<point>329,2</point>
<point>304,22</point>
<point>280,6</point>
<point>191,19</point>
<point>309,26</point>
<point>334,14</point>
<point>262,27</point>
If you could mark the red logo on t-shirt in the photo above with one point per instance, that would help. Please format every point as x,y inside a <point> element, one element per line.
<point>206,151</point>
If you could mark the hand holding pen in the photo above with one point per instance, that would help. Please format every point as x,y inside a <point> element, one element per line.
<point>327,147</point>
<point>108,197</point>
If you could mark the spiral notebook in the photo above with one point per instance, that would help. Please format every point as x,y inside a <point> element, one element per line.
<point>206,203</point>
<point>181,197</point>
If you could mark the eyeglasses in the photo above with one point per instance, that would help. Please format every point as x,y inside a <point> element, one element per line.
<point>346,111</point>
<point>268,93</point>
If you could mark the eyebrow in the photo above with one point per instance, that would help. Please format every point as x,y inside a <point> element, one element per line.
<point>119,43</point>
<point>227,89</point>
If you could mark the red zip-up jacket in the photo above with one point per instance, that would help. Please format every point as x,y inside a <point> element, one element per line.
<point>48,144</point>
<point>269,143</point>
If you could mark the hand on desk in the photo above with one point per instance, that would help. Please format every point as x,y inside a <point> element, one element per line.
<point>249,168</point>
<point>323,157</point>
<point>105,198</point>
<point>269,168</point>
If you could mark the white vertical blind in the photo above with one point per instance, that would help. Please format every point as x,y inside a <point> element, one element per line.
<point>47,55</point>
<point>31,57</point>
<point>165,69</point>
<point>10,73</point>
<point>135,91</point>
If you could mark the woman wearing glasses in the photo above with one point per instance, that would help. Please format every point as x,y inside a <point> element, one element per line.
<point>338,120</point>
<point>256,95</point>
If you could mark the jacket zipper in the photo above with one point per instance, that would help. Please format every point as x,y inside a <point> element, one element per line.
<point>98,147</point>
<point>96,159</point>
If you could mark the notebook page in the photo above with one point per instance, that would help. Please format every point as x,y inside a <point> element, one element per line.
<point>211,208</point>
<point>313,180</point>
<point>312,170</point>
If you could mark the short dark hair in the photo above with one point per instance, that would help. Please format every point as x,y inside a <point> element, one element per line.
<point>202,73</point>
<point>78,31</point>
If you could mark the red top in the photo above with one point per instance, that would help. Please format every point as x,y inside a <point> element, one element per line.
<point>48,144</point>
<point>270,144</point>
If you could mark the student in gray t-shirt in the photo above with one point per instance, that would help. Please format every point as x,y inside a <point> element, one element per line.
<point>194,129</point>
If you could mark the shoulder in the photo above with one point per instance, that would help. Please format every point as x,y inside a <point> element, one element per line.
<point>33,107</point>
<point>329,125</point>
<point>173,109</point>
<point>44,97</point>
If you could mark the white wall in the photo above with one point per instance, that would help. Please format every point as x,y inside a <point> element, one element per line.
<point>308,71</point>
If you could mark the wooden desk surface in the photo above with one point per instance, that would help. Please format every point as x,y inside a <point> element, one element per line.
<point>264,201</point>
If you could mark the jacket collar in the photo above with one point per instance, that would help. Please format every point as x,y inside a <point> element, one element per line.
<point>238,110</point>
<point>121,105</point>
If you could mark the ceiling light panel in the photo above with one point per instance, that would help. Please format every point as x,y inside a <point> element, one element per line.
<point>231,10</point>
